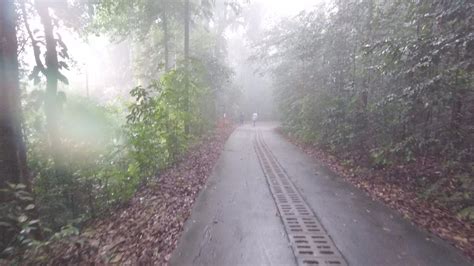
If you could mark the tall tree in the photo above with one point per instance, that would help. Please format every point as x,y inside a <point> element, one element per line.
<point>186,61</point>
<point>166,35</point>
<point>52,74</point>
<point>388,81</point>
<point>55,49</point>
<point>12,150</point>
<point>13,168</point>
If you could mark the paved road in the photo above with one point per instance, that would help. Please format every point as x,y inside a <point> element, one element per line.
<point>243,218</point>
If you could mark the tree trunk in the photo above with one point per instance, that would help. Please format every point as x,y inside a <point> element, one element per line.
<point>12,149</point>
<point>166,37</point>
<point>13,167</point>
<point>186,63</point>
<point>52,70</point>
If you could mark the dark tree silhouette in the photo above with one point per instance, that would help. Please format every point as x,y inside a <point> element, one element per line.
<point>13,168</point>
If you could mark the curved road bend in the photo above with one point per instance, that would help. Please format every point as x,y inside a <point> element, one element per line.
<point>267,203</point>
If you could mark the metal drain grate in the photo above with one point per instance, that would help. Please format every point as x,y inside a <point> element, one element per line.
<point>325,261</point>
<point>310,242</point>
<point>302,224</point>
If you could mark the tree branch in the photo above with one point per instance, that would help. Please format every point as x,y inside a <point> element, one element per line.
<point>34,42</point>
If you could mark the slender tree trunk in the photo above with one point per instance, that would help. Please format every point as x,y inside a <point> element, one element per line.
<point>186,63</point>
<point>166,37</point>
<point>52,70</point>
<point>365,93</point>
<point>13,167</point>
<point>221,26</point>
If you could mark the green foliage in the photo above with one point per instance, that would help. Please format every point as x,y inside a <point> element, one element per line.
<point>17,217</point>
<point>137,18</point>
<point>108,151</point>
<point>387,74</point>
<point>100,154</point>
<point>383,81</point>
<point>96,168</point>
<point>155,125</point>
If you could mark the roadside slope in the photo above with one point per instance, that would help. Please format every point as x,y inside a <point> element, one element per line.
<point>146,229</point>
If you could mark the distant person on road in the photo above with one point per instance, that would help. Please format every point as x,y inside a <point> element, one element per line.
<point>241,118</point>
<point>254,118</point>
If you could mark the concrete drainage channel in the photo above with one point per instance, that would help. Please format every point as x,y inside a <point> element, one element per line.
<point>310,242</point>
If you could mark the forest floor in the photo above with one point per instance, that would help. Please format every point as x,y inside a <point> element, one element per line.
<point>146,229</point>
<point>396,189</point>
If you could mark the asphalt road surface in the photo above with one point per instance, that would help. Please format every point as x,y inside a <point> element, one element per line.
<point>267,203</point>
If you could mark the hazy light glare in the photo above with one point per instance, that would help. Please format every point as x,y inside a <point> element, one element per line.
<point>289,7</point>
<point>92,60</point>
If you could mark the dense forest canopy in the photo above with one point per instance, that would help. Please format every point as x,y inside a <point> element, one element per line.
<point>382,84</point>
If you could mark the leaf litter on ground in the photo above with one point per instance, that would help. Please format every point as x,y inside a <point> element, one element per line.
<point>146,230</point>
